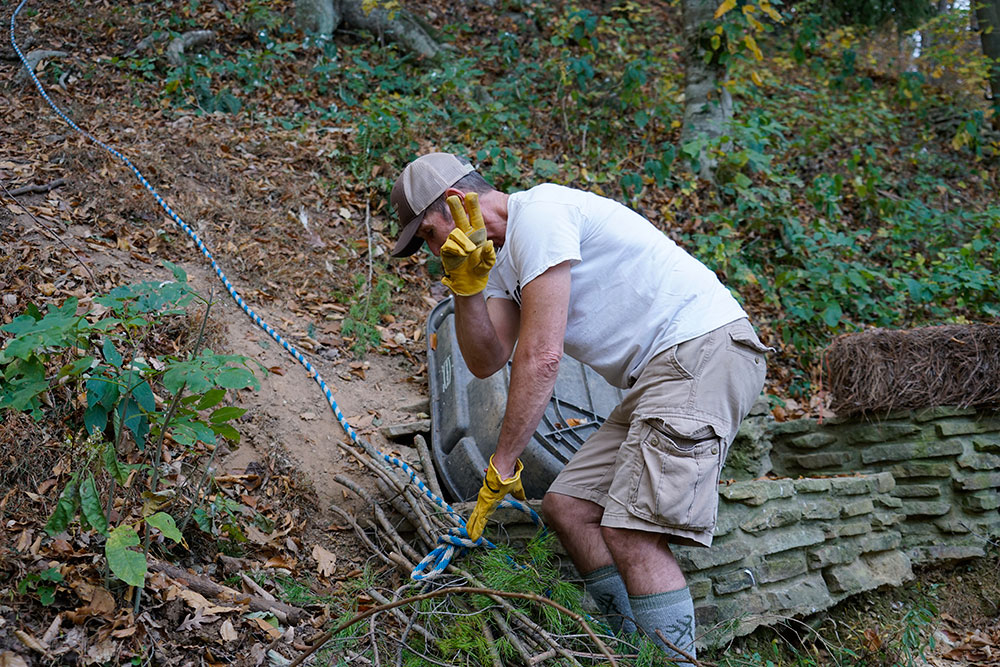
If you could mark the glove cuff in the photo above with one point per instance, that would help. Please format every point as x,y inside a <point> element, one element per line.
<point>492,472</point>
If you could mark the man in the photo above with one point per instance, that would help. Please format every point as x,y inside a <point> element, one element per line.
<point>554,269</point>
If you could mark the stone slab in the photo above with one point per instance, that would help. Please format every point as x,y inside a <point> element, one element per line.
<point>731,582</point>
<point>908,451</point>
<point>820,508</point>
<point>695,558</point>
<point>917,491</point>
<point>812,485</point>
<point>857,508</point>
<point>869,433</point>
<point>912,508</point>
<point>759,491</point>
<point>789,538</point>
<point>987,443</point>
<point>938,553</point>
<point>781,567</point>
<point>833,554</point>
<point>881,541</point>
<point>982,501</point>
<point>921,469</point>
<point>804,596</point>
<point>967,426</point>
<point>772,517</point>
<point>853,486</point>
<point>978,461</point>
<point>977,481</point>
<point>823,460</point>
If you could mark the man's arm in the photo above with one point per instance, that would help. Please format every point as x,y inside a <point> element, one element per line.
<point>544,309</point>
<point>486,332</point>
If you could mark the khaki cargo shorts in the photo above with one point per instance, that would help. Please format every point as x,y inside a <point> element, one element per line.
<point>654,464</point>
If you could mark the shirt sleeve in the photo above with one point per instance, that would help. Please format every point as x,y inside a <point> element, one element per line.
<point>546,234</point>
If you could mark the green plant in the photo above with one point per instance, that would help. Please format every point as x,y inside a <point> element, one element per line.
<point>43,584</point>
<point>369,304</point>
<point>99,356</point>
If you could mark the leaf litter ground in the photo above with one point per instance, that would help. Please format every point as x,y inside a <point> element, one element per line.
<point>291,231</point>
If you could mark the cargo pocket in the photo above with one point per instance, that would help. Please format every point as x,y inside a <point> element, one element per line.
<point>744,341</point>
<point>671,474</point>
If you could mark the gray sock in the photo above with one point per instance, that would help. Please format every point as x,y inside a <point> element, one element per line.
<point>672,613</point>
<point>605,585</point>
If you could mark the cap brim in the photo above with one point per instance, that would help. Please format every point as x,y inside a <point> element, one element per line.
<point>408,241</point>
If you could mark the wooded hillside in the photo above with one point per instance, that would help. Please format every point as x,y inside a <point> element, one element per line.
<point>837,165</point>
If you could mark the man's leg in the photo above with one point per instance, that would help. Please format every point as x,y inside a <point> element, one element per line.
<point>578,524</point>
<point>657,593</point>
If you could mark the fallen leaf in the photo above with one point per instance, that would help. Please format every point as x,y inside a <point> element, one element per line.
<point>327,561</point>
<point>272,632</point>
<point>10,659</point>
<point>278,561</point>
<point>102,652</point>
<point>228,632</point>
<point>199,619</point>
<point>198,601</point>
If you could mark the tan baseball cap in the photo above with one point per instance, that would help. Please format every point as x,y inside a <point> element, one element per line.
<point>422,181</point>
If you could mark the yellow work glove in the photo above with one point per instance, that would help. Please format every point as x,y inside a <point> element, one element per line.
<point>494,490</point>
<point>467,255</point>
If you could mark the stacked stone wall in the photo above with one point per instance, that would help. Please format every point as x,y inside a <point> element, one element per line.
<point>787,547</point>
<point>813,512</point>
<point>945,463</point>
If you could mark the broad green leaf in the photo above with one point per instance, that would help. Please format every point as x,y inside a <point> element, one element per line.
<point>91,507</point>
<point>179,274</point>
<point>114,467</point>
<point>226,431</point>
<point>235,378</point>
<point>202,519</point>
<point>143,395</point>
<point>832,314</point>
<point>111,353</point>
<point>51,574</point>
<point>133,418</point>
<point>20,396</point>
<point>65,509</point>
<point>129,566</point>
<point>166,525</point>
<point>95,419</point>
<point>226,414</point>
<point>210,398</point>
<point>77,367</point>
<point>46,595</point>
<point>203,432</point>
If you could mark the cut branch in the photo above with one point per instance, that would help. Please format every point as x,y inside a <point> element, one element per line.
<point>208,587</point>
<point>470,590</point>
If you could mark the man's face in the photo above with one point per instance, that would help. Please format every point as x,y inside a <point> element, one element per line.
<point>434,230</point>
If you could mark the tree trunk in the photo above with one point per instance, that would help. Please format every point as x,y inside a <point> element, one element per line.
<point>322,17</point>
<point>708,106</point>
<point>400,25</point>
<point>988,18</point>
<point>318,17</point>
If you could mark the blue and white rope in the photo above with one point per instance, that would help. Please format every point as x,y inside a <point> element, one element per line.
<point>457,540</point>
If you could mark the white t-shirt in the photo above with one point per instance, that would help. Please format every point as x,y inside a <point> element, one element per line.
<point>634,292</point>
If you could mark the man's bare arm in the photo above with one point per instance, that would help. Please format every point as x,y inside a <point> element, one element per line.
<point>486,331</point>
<point>544,308</point>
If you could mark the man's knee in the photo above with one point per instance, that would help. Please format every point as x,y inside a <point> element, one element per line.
<point>626,542</point>
<point>563,512</point>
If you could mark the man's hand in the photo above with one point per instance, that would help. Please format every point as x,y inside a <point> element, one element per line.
<point>467,255</point>
<point>494,490</point>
